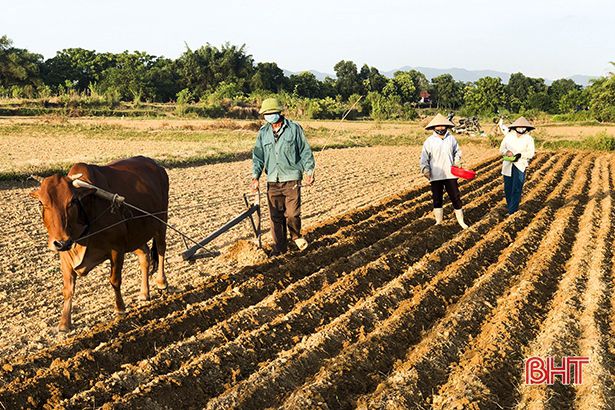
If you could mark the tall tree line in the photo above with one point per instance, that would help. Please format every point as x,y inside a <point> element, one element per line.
<point>230,70</point>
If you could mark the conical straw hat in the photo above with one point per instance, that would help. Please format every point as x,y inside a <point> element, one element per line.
<point>439,120</point>
<point>521,122</point>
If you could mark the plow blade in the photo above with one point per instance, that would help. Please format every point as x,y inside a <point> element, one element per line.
<point>189,254</point>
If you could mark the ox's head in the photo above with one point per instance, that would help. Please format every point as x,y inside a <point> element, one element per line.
<point>62,211</point>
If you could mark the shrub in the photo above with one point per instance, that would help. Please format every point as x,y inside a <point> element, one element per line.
<point>184,97</point>
<point>389,108</point>
<point>585,116</point>
<point>599,142</point>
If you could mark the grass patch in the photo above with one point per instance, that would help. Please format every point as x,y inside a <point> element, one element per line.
<point>118,132</point>
<point>599,142</point>
<point>180,162</point>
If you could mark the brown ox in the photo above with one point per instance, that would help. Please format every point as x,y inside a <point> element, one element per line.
<point>74,216</point>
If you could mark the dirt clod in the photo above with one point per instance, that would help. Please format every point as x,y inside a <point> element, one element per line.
<point>245,253</point>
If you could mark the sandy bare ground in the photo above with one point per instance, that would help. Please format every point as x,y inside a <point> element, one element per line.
<point>20,154</point>
<point>202,199</point>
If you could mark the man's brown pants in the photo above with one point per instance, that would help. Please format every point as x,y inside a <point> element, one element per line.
<point>284,200</point>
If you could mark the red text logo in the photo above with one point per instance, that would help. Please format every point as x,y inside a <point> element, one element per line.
<point>539,370</point>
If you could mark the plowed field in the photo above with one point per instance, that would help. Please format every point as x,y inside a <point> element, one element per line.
<point>384,310</point>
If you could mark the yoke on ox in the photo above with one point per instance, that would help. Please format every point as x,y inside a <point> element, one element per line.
<point>87,227</point>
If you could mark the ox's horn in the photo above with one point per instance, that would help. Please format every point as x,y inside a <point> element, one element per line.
<point>37,178</point>
<point>75,176</point>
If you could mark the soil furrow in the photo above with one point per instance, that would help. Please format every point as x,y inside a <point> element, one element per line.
<point>597,390</point>
<point>358,369</point>
<point>242,356</point>
<point>313,300</point>
<point>488,373</point>
<point>560,330</point>
<point>426,366</point>
<point>286,372</point>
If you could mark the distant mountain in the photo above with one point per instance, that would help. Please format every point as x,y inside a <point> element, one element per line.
<point>319,75</point>
<point>459,74</point>
<point>583,80</point>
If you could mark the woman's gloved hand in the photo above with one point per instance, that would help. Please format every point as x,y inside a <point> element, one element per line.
<point>512,158</point>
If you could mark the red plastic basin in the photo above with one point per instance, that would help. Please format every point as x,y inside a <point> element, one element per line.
<point>463,173</point>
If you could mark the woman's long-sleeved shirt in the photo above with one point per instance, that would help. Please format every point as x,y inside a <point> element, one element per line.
<point>438,155</point>
<point>517,144</point>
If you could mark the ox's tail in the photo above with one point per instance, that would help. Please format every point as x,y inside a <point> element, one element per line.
<point>153,258</point>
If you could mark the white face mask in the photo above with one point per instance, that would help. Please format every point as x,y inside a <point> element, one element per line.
<point>272,118</point>
<point>521,130</point>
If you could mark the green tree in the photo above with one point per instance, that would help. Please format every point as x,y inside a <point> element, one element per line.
<point>162,74</point>
<point>79,66</point>
<point>520,90</point>
<point>602,98</point>
<point>328,87</point>
<point>184,97</point>
<point>402,86</point>
<point>575,100</point>
<point>202,70</point>
<point>558,89</point>
<point>389,107</point>
<point>446,92</point>
<point>131,76</point>
<point>348,81</point>
<point>227,91</point>
<point>420,83</point>
<point>371,79</point>
<point>540,101</point>
<point>407,85</point>
<point>18,67</point>
<point>487,96</point>
<point>268,77</point>
<point>517,89</point>
<point>306,85</point>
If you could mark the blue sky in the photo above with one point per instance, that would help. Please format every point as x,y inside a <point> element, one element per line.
<point>543,38</point>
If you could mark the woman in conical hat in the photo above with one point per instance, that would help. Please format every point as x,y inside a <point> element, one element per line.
<point>440,152</point>
<point>517,149</point>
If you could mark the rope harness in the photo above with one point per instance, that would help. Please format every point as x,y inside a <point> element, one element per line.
<point>117,201</point>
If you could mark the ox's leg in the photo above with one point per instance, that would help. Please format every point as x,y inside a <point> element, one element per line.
<point>161,244</point>
<point>144,263</point>
<point>117,263</point>
<point>69,278</point>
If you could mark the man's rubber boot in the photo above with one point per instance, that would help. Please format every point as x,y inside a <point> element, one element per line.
<point>301,244</point>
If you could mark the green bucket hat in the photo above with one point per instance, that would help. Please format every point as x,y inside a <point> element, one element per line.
<point>270,106</point>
